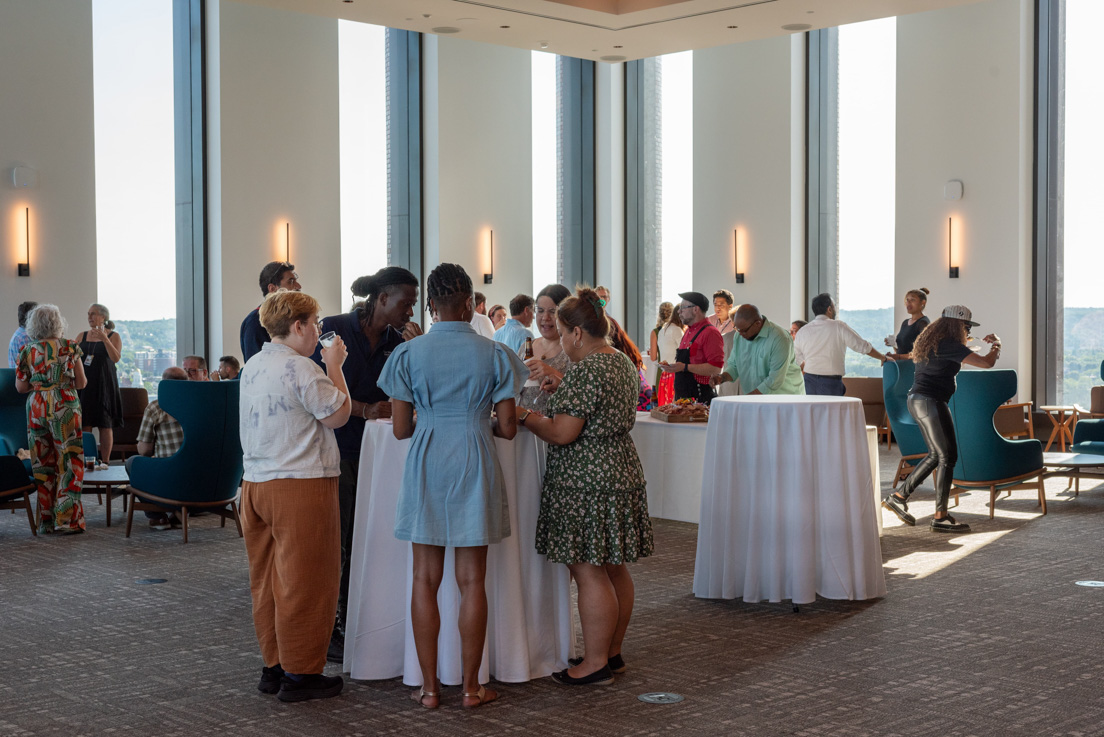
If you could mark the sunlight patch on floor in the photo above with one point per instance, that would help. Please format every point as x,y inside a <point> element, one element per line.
<point>922,564</point>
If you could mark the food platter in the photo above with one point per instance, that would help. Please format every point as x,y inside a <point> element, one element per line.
<point>682,410</point>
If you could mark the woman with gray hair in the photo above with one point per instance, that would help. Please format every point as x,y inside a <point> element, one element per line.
<point>50,369</point>
<point>101,401</point>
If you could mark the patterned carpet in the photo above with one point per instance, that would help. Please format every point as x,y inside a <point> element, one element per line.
<point>983,634</point>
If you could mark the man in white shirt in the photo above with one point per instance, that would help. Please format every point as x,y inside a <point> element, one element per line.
<point>819,348</point>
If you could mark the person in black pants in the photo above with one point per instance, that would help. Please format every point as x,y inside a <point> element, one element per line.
<point>915,302</point>
<point>939,353</point>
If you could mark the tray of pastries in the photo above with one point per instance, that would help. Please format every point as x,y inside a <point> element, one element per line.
<point>682,410</point>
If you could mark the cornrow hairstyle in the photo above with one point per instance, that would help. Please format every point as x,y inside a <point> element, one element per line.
<point>449,285</point>
<point>376,284</point>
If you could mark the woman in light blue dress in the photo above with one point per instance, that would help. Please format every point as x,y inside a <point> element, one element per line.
<point>453,493</point>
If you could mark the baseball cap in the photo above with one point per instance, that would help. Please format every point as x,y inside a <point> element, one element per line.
<point>696,298</point>
<point>960,312</point>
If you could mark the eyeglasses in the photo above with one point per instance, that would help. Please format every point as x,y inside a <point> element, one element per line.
<point>318,323</point>
<point>747,330</point>
<point>550,311</point>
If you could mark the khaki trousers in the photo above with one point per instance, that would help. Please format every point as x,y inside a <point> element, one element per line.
<point>292,533</point>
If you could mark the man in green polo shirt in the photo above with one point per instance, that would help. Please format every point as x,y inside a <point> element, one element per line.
<point>762,358</point>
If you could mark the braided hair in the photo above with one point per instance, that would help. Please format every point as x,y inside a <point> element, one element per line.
<point>384,280</point>
<point>449,285</point>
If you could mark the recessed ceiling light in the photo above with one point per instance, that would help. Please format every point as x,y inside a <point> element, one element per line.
<point>612,58</point>
<point>618,47</point>
<point>504,26</point>
<point>734,26</point>
<point>445,29</point>
<point>544,44</point>
<point>796,27</point>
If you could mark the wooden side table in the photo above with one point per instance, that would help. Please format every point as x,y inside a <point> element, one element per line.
<point>1062,417</point>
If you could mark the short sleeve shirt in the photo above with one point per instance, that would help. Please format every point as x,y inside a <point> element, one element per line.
<point>161,430</point>
<point>708,347</point>
<point>935,377</point>
<point>283,397</point>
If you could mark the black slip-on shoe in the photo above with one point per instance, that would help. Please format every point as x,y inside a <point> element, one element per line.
<point>313,686</point>
<point>601,677</point>
<point>948,524</point>
<point>900,508</point>
<point>616,663</point>
<point>270,679</point>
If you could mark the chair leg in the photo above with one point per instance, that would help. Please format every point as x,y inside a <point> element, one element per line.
<point>1042,494</point>
<point>992,500</point>
<point>30,514</point>
<point>237,519</point>
<point>130,517</point>
<point>184,522</point>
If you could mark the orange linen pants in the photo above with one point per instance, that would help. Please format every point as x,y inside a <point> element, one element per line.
<point>292,533</point>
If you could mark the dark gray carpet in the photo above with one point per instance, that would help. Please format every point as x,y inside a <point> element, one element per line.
<point>983,634</point>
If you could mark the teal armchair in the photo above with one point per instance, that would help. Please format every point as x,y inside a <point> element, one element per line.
<point>16,483</point>
<point>205,474</point>
<point>897,378</point>
<point>987,459</point>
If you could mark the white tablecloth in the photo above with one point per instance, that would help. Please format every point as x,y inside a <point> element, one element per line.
<point>671,454</point>
<point>529,627</point>
<point>787,510</point>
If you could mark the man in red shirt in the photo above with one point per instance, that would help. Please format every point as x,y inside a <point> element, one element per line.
<point>700,355</point>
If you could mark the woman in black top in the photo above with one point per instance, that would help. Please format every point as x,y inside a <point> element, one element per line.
<point>939,353</point>
<point>101,401</point>
<point>915,302</point>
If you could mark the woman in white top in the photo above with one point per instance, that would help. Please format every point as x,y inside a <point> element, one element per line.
<point>664,341</point>
<point>289,409</point>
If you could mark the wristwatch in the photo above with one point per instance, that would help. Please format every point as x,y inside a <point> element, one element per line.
<point>523,416</point>
<point>686,368</point>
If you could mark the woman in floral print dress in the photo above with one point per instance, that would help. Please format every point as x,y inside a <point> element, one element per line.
<point>594,509</point>
<point>50,369</point>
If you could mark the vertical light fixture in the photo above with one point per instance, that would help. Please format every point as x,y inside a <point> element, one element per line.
<point>287,242</point>
<point>950,256</point>
<point>488,278</point>
<point>25,268</point>
<point>736,256</point>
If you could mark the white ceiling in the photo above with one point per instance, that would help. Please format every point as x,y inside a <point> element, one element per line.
<point>593,29</point>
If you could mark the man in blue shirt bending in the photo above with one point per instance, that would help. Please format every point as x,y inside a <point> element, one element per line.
<point>516,329</point>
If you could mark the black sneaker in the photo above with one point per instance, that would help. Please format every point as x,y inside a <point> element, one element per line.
<point>900,508</point>
<point>616,663</point>
<point>336,651</point>
<point>270,679</point>
<point>313,686</point>
<point>948,524</point>
<point>601,677</point>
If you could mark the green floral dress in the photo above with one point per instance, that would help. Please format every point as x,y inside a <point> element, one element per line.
<point>594,507</point>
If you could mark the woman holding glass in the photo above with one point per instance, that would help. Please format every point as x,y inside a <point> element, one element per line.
<point>915,302</point>
<point>289,409</point>
<point>101,401</point>
<point>594,508</point>
<point>50,369</point>
<point>549,362</point>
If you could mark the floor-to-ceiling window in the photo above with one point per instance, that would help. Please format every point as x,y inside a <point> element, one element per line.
<point>1082,299</point>
<point>135,237</point>
<point>866,127</point>
<point>362,71</point>
<point>547,189</point>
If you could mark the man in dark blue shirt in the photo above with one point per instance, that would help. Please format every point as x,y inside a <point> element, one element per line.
<point>370,332</point>
<point>275,275</point>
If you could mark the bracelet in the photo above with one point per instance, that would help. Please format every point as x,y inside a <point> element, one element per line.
<point>524,417</point>
<point>364,411</point>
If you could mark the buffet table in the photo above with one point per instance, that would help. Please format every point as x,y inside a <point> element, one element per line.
<point>529,627</point>
<point>672,454</point>
<point>786,509</point>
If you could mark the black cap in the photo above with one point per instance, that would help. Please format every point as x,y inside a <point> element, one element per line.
<point>696,298</point>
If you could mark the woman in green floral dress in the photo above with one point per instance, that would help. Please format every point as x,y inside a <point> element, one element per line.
<point>50,370</point>
<point>594,509</point>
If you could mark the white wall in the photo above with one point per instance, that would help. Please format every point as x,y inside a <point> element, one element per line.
<point>46,122</point>
<point>478,118</point>
<point>964,87</point>
<point>275,151</point>
<point>749,173</point>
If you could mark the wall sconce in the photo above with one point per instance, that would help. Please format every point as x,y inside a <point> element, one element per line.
<point>287,242</point>
<point>24,269</point>
<point>950,258</point>
<point>736,256</point>
<point>488,278</point>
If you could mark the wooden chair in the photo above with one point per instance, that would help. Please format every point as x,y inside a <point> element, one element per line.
<point>135,401</point>
<point>16,488</point>
<point>1014,420</point>
<point>205,474</point>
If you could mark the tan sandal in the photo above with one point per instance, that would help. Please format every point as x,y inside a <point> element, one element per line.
<point>418,697</point>
<point>481,694</point>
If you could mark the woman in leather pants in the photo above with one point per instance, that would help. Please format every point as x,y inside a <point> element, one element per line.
<point>939,353</point>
